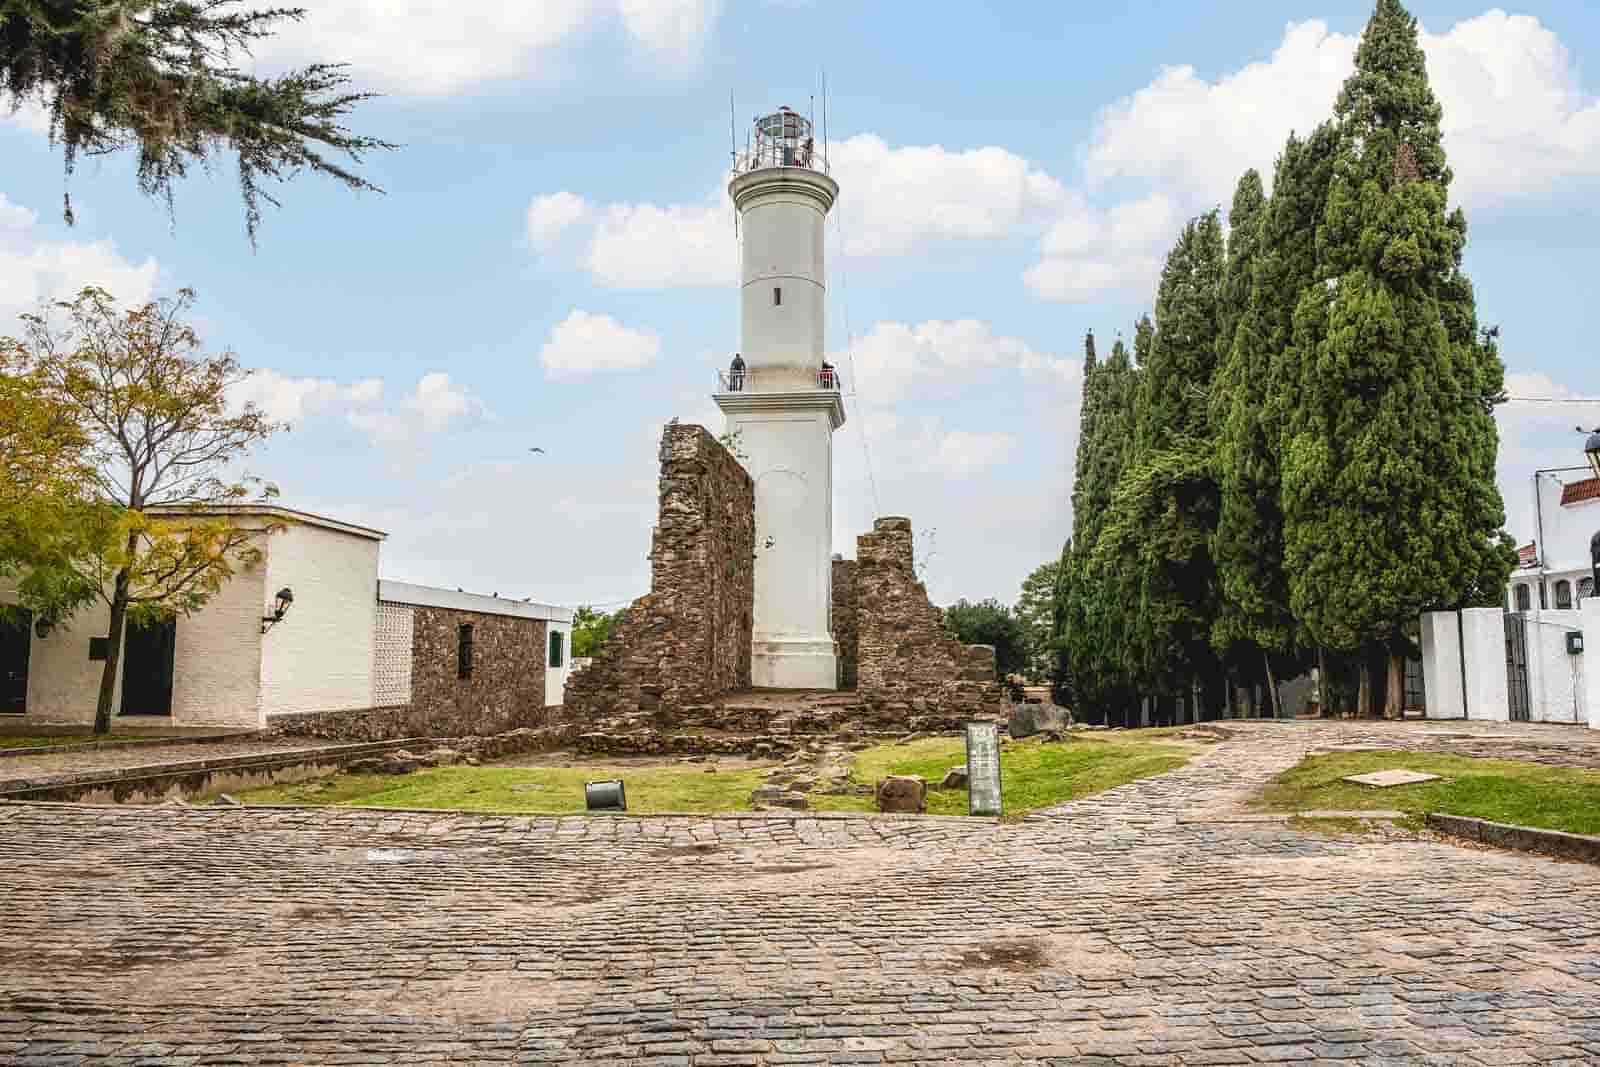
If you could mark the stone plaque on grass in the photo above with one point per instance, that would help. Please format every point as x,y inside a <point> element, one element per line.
<point>1384,779</point>
<point>983,768</point>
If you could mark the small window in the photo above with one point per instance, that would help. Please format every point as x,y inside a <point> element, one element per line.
<point>464,650</point>
<point>1524,598</point>
<point>777,297</point>
<point>555,648</point>
<point>1564,595</point>
<point>1585,589</point>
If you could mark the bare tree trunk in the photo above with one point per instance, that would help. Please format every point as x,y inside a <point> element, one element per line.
<point>1395,696</point>
<point>1364,693</point>
<point>1272,687</point>
<point>1324,684</point>
<point>108,676</point>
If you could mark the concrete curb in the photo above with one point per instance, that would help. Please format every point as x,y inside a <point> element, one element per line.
<point>64,786</point>
<point>141,742</point>
<point>1520,838</point>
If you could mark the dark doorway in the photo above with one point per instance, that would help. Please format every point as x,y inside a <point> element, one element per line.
<point>15,633</point>
<point>147,668</point>
<point>1517,666</point>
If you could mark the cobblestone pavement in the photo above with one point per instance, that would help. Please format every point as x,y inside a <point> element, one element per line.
<point>1105,931</point>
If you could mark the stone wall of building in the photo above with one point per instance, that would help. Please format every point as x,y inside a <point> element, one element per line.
<point>908,660</point>
<point>687,641</point>
<point>844,620</point>
<point>505,689</point>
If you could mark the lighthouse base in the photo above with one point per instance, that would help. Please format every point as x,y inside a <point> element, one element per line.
<point>794,663</point>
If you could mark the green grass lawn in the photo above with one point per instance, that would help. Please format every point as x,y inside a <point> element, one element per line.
<point>44,740</point>
<point>1526,794</point>
<point>679,788</point>
<point>1033,774</point>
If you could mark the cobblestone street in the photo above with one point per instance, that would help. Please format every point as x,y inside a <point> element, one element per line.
<point>1112,930</point>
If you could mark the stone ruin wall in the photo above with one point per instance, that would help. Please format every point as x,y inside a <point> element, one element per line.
<point>844,619</point>
<point>909,663</point>
<point>687,641</point>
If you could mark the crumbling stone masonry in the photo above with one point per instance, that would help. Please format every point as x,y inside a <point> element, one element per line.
<point>908,661</point>
<point>687,641</point>
<point>844,619</point>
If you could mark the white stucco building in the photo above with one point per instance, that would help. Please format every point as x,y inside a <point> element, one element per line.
<point>1554,571</point>
<point>783,403</point>
<point>229,664</point>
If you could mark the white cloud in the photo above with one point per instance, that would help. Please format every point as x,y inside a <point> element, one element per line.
<point>440,401</point>
<point>549,217</point>
<point>896,200</point>
<point>1517,124</point>
<point>642,246</point>
<point>287,399</point>
<point>584,343</point>
<point>892,356</point>
<point>36,267</point>
<point>435,47</point>
<point>963,452</point>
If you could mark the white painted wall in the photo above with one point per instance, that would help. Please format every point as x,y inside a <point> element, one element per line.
<point>1591,648</point>
<point>216,664</point>
<point>1555,679</point>
<point>555,678</point>
<point>1441,665</point>
<point>1483,649</point>
<point>320,657</point>
<point>63,682</point>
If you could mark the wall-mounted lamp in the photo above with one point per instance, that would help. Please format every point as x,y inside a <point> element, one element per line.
<point>43,625</point>
<point>280,607</point>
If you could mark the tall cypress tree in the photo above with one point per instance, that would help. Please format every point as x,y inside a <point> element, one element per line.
<point>1237,398</point>
<point>1091,663</point>
<point>1388,474</point>
<point>1163,510</point>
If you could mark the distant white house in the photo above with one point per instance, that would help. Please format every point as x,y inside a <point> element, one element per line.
<point>1553,569</point>
<point>232,664</point>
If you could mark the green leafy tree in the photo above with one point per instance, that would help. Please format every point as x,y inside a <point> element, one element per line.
<point>1035,609</point>
<point>159,77</point>
<point>989,622</point>
<point>1388,476</point>
<point>591,629</point>
<point>153,536</point>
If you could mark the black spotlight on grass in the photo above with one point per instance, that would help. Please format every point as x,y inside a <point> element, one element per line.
<point>605,796</point>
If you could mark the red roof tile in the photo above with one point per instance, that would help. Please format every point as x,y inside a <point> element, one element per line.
<point>1578,492</point>
<point>1527,555</point>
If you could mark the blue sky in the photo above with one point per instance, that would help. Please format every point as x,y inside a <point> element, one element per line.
<point>552,264</point>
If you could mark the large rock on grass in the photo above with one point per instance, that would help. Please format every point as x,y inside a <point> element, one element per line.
<point>1030,719</point>
<point>903,793</point>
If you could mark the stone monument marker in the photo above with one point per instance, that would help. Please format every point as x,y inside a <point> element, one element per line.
<point>983,768</point>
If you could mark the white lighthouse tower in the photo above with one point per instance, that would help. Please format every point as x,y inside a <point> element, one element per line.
<point>784,404</point>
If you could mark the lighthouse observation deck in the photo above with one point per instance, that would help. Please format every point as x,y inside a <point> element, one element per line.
<point>784,138</point>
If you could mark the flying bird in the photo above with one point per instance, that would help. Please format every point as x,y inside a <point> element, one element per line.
<point>537,449</point>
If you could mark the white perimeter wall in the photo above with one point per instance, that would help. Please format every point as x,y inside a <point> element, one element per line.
<point>1483,648</point>
<point>1441,665</point>
<point>1591,648</point>
<point>1555,679</point>
<point>320,657</point>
